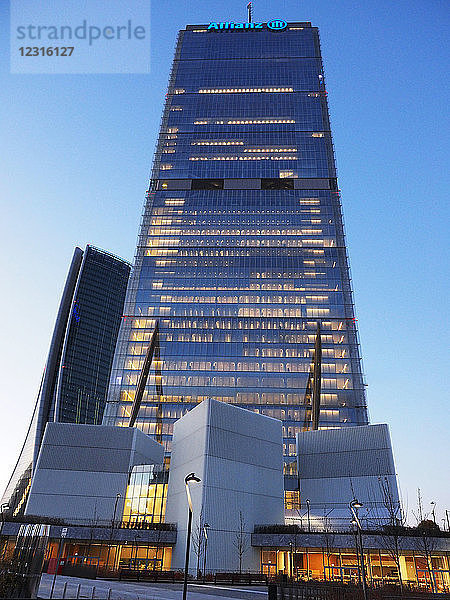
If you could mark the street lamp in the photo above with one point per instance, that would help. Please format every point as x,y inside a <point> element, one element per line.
<point>205,533</point>
<point>433,504</point>
<point>190,477</point>
<point>291,561</point>
<point>354,506</point>
<point>309,520</point>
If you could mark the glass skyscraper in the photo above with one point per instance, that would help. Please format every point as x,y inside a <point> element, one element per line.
<point>241,253</point>
<point>75,380</point>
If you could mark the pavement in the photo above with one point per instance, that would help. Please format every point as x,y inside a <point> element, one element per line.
<point>102,589</point>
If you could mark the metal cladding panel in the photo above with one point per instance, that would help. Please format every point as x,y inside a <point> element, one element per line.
<point>97,448</point>
<point>80,464</point>
<point>238,456</point>
<point>83,459</point>
<point>244,422</point>
<point>68,434</point>
<point>241,448</point>
<point>73,509</point>
<point>146,450</point>
<point>345,439</point>
<point>333,492</point>
<point>346,464</point>
<point>337,466</point>
<point>78,483</point>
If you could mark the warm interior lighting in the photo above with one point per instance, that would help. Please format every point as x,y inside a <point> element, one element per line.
<point>243,90</point>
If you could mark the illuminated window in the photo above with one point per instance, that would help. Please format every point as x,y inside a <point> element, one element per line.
<point>292,500</point>
<point>218,143</point>
<point>230,158</point>
<point>243,90</point>
<point>174,201</point>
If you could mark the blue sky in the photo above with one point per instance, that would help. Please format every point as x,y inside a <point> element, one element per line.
<point>76,156</point>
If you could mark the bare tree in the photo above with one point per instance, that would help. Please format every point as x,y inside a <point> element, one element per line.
<point>241,542</point>
<point>197,541</point>
<point>426,538</point>
<point>328,538</point>
<point>426,543</point>
<point>392,532</point>
<point>159,536</point>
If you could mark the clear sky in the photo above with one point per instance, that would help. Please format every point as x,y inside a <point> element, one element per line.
<point>76,154</point>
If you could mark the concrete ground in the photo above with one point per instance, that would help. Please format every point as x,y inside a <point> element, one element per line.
<point>102,589</point>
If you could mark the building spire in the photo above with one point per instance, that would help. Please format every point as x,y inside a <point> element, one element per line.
<point>250,11</point>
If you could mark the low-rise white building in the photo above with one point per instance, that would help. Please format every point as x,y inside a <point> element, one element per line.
<point>237,454</point>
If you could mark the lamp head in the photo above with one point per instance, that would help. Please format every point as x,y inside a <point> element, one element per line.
<point>191,477</point>
<point>356,504</point>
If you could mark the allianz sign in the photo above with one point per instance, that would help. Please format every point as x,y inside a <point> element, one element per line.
<point>274,25</point>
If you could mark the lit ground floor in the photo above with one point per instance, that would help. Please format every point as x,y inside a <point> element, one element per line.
<point>381,565</point>
<point>343,565</point>
<point>420,562</point>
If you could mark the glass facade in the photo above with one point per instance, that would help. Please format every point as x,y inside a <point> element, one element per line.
<point>241,252</point>
<point>80,393</point>
<point>75,380</point>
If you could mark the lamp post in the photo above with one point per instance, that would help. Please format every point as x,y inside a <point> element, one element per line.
<point>205,533</point>
<point>291,561</point>
<point>190,477</point>
<point>309,520</point>
<point>112,530</point>
<point>433,504</point>
<point>3,507</point>
<point>354,506</point>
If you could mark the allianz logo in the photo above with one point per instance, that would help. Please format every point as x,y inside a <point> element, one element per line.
<point>274,25</point>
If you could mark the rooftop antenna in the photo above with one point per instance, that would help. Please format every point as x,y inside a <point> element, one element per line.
<point>250,11</point>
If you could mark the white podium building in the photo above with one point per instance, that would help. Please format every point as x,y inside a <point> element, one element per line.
<point>237,454</point>
<point>336,466</point>
<point>81,469</point>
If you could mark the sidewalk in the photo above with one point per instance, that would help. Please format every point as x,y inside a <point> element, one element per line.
<point>101,589</point>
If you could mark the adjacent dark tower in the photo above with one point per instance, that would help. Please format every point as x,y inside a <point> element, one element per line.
<point>76,375</point>
<point>241,256</point>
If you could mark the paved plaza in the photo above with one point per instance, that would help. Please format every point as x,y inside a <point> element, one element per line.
<point>101,589</point>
